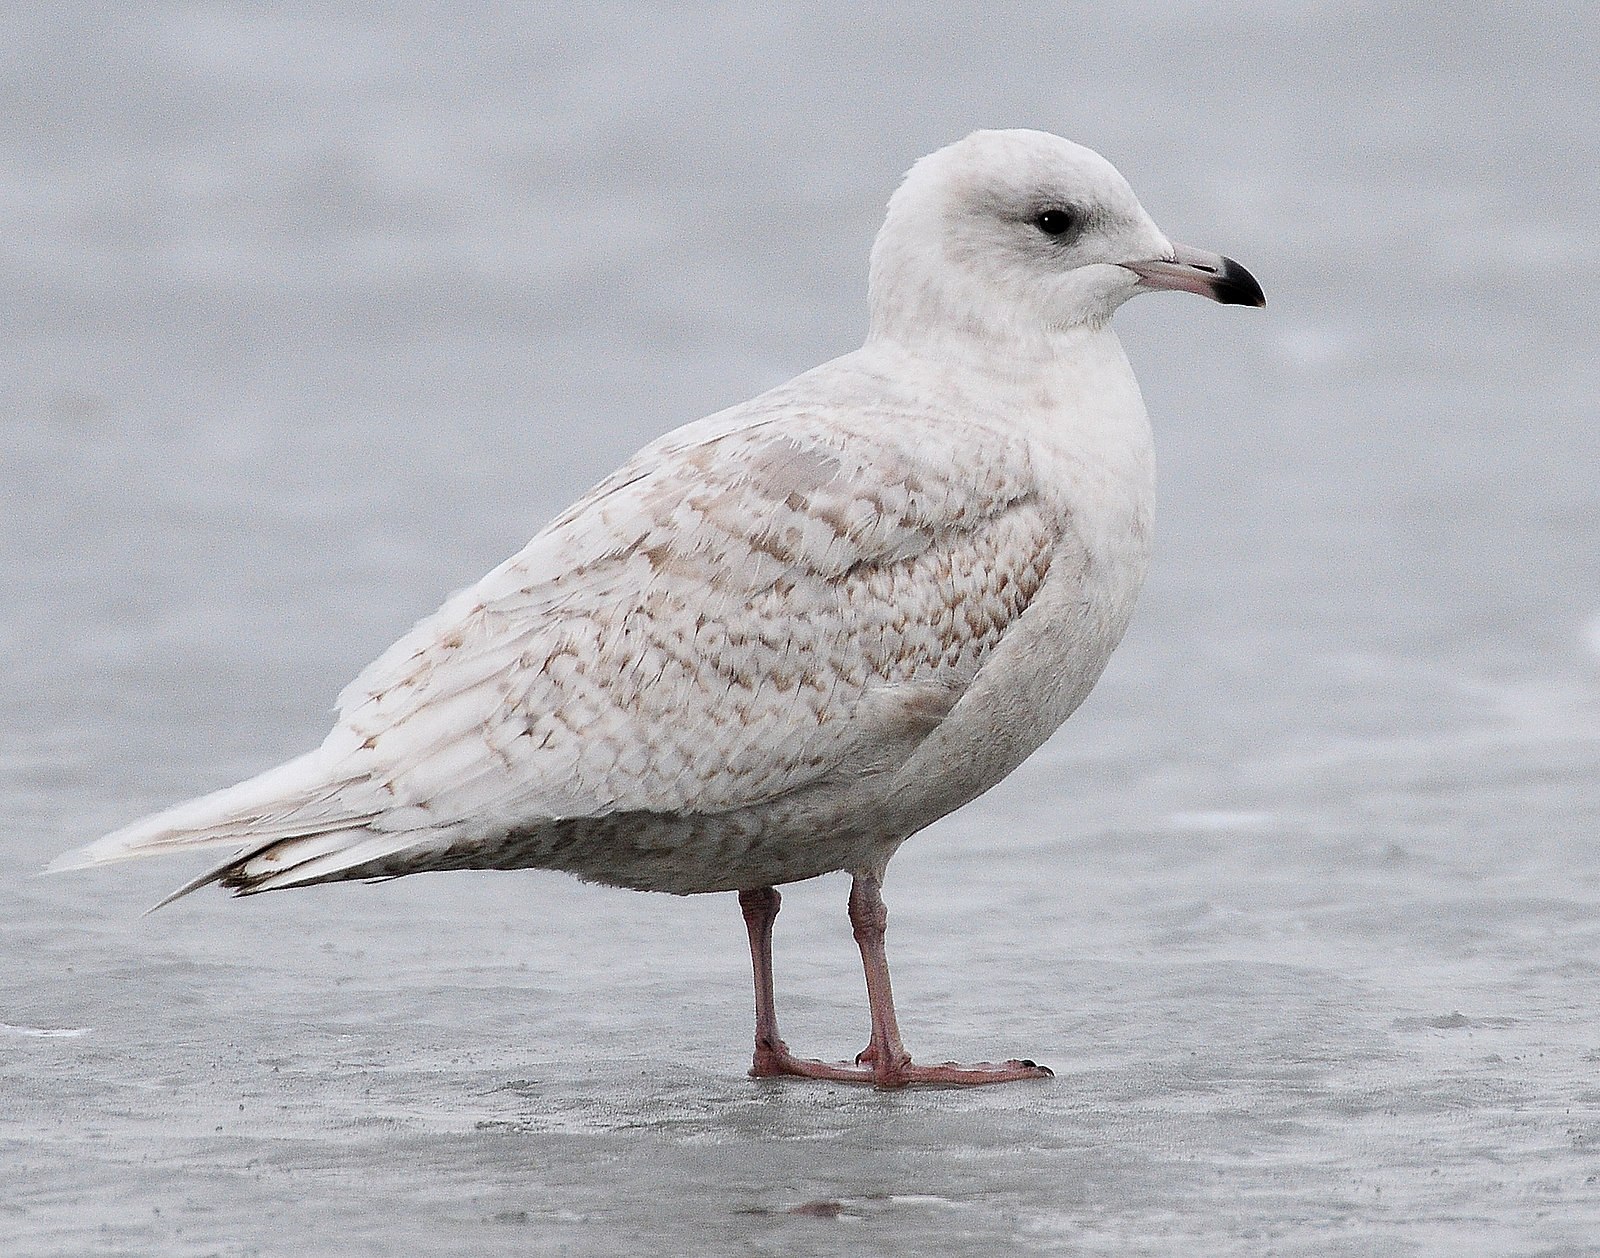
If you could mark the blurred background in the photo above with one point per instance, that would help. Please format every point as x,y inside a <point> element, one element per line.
<point>313,313</point>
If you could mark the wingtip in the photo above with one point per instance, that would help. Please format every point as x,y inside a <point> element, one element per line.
<point>215,874</point>
<point>103,853</point>
<point>166,900</point>
<point>77,858</point>
<point>106,851</point>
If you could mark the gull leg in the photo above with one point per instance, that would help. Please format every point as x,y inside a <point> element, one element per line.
<point>760,908</point>
<point>886,1056</point>
<point>884,1062</point>
<point>772,1056</point>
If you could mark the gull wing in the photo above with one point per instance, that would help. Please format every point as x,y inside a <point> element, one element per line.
<point>745,608</point>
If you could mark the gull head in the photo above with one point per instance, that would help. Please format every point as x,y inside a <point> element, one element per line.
<point>1018,234</point>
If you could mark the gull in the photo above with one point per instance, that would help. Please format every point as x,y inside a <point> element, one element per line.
<point>783,639</point>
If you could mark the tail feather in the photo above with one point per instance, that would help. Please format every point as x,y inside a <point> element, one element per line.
<point>319,858</point>
<point>297,862</point>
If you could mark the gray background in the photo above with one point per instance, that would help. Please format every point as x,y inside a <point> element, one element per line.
<point>312,314</point>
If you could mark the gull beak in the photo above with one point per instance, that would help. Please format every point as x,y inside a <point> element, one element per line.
<point>1196,271</point>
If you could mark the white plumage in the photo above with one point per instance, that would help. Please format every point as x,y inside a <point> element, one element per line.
<point>781,640</point>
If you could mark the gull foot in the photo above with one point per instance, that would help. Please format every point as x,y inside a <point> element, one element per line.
<point>775,1060</point>
<point>952,1074</point>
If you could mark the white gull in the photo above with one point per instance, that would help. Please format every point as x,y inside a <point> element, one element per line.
<point>782,640</point>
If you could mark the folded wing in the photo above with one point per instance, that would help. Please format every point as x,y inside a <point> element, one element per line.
<point>732,616</point>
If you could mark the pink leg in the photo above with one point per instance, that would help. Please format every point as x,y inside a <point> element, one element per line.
<point>760,908</point>
<point>884,1062</point>
<point>772,1055</point>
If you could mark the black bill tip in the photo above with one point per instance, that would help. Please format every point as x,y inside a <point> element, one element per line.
<point>1237,287</point>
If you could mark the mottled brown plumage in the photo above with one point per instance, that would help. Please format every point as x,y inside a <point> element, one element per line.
<point>780,641</point>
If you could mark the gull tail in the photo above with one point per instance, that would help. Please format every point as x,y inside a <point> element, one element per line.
<point>292,825</point>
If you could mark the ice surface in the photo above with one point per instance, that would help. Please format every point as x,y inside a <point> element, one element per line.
<point>310,319</point>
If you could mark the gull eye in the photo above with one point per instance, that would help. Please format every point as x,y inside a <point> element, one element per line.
<point>1056,222</point>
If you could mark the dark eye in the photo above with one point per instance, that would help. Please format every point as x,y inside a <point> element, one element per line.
<point>1055,222</point>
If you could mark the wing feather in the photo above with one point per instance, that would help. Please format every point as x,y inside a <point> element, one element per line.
<point>696,633</point>
<point>793,591</point>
